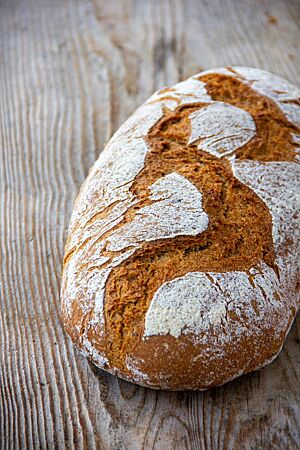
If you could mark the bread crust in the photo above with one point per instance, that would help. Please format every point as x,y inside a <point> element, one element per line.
<point>181,268</point>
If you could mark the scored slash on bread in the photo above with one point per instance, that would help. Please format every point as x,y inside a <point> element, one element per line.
<point>180,267</point>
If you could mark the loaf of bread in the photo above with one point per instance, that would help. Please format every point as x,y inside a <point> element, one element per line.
<point>181,267</point>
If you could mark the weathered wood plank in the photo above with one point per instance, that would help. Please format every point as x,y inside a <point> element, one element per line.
<point>70,72</point>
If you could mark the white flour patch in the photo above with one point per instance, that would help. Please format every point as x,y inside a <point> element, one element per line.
<point>192,87</point>
<point>177,210</point>
<point>292,112</point>
<point>222,128</point>
<point>186,92</point>
<point>269,84</point>
<point>201,303</point>
<point>278,185</point>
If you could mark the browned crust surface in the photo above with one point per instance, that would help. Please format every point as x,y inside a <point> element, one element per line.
<point>238,237</point>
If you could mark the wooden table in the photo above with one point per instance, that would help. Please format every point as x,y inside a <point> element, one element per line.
<point>70,72</point>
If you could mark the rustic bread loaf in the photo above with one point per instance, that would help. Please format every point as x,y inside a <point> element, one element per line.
<point>181,267</point>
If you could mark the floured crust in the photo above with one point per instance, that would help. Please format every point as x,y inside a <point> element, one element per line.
<point>181,263</point>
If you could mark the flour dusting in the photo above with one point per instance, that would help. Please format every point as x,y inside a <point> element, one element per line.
<point>186,92</point>
<point>176,210</point>
<point>221,128</point>
<point>201,303</point>
<point>278,185</point>
<point>284,93</point>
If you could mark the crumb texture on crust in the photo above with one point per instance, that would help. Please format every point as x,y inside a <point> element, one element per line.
<point>183,241</point>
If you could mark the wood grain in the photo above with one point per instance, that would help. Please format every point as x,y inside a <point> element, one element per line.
<point>70,72</point>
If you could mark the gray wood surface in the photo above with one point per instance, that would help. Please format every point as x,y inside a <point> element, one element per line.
<point>70,72</point>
